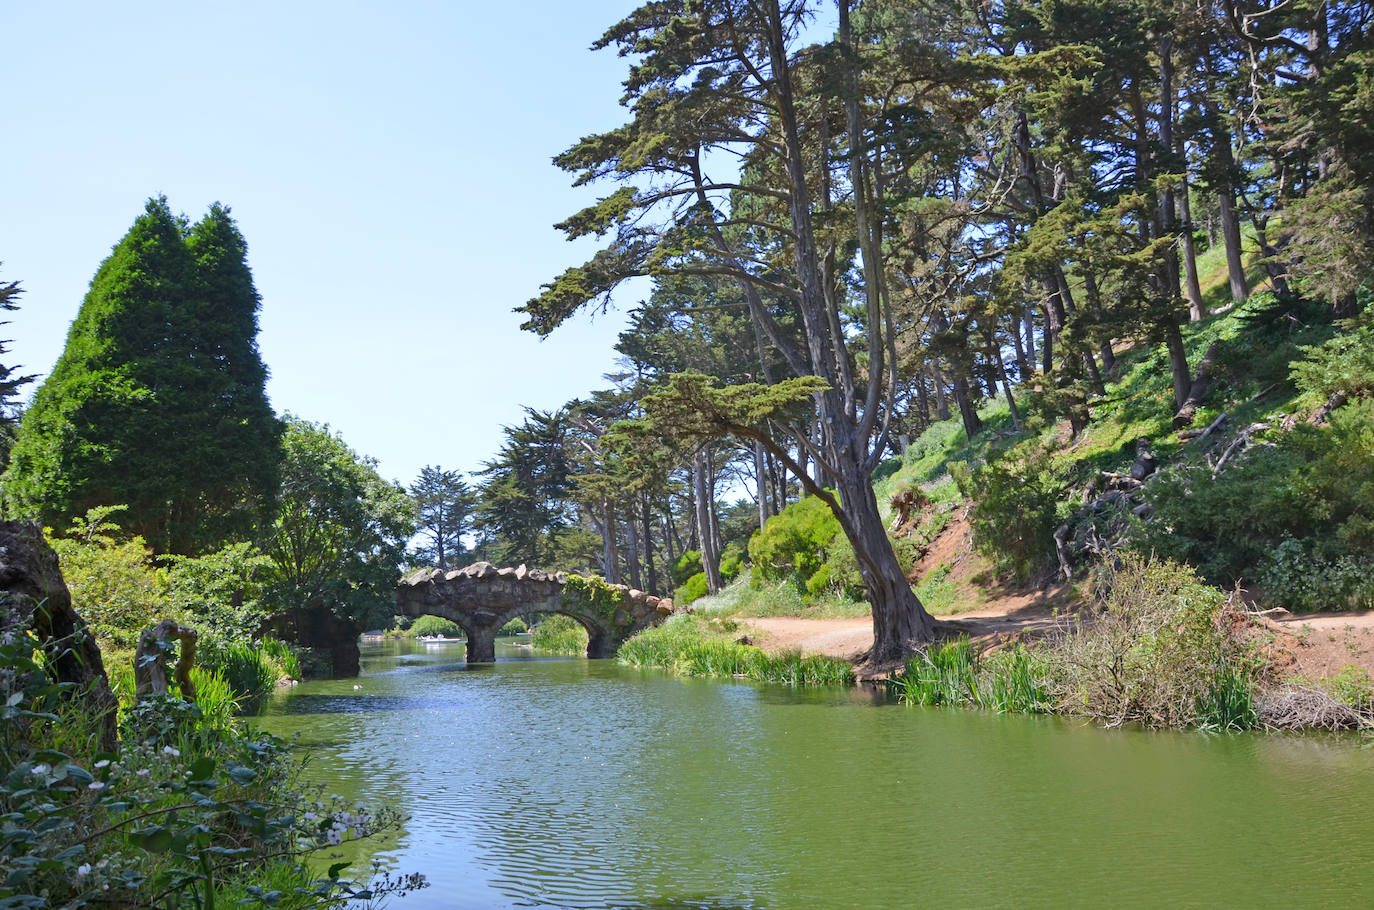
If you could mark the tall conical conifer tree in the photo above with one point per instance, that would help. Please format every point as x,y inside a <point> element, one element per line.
<point>157,401</point>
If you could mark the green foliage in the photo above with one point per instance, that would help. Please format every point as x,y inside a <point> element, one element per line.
<point>1352,686</point>
<point>1014,513</point>
<point>687,565</point>
<point>732,560</point>
<point>10,381</point>
<point>112,582</point>
<point>693,589</point>
<point>796,543</point>
<point>1010,679</point>
<point>187,805</point>
<point>338,543</point>
<point>158,399</point>
<point>221,590</point>
<point>1296,517</point>
<point>434,625</point>
<point>515,627</point>
<point>560,634</point>
<point>444,506</point>
<point>1162,653</point>
<point>1342,365</point>
<point>694,646</point>
<point>522,500</point>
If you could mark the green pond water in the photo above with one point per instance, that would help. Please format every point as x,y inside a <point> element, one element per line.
<point>556,782</point>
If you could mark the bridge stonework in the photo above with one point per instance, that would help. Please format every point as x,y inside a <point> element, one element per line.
<point>482,598</point>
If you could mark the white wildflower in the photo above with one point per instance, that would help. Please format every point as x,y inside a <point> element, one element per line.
<point>83,870</point>
<point>103,763</point>
<point>95,785</point>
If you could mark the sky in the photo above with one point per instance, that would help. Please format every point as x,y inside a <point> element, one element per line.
<point>388,164</point>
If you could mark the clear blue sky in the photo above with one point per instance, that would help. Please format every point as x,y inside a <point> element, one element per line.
<point>388,164</point>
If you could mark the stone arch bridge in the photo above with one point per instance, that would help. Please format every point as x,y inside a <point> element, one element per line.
<point>482,598</point>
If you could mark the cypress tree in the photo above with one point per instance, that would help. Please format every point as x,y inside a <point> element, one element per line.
<point>153,404</point>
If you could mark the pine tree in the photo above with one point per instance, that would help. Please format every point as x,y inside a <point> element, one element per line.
<point>444,504</point>
<point>157,401</point>
<point>10,384</point>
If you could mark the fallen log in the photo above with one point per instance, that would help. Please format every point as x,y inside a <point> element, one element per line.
<point>1198,390</point>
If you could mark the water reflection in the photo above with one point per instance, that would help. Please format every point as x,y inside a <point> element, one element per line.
<point>575,783</point>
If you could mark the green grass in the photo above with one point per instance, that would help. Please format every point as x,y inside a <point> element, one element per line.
<point>697,646</point>
<point>955,674</point>
<point>560,634</point>
<point>777,599</point>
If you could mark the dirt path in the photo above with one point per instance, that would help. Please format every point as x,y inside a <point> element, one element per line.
<point>1321,644</point>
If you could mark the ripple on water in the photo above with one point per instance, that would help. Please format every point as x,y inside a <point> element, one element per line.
<point>579,784</point>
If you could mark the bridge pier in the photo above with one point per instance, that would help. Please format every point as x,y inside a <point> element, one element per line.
<point>481,646</point>
<point>599,644</point>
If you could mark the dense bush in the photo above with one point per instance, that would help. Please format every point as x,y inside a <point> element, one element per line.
<point>1343,365</point>
<point>1297,517</point>
<point>693,589</point>
<point>687,565</point>
<point>796,544</point>
<point>515,627</point>
<point>186,811</point>
<point>1162,651</point>
<point>1013,517</point>
<point>112,582</point>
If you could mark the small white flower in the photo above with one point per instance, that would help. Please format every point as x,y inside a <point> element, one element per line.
<point>309,816</point>
<point>83,870</point>
<point>168,750</point>
<point>40,769</point>
<point>103,763</point>
<point>95,785</point>
<point>142,772</point>
<point>334,836</point>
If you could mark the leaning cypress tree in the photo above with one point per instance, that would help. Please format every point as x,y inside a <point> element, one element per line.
<point>152,404</point>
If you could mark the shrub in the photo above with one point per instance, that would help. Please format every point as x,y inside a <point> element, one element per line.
<point>693,589</point>
<point>796,543</point>
<point>187,808</point>
<point>1297,515</point>
<point>434,625</point>
<point>1014,508</point>
<point>112,583</point>
<point>1343,365</point>
<point>1161,653</point>
<point>515,627</point>
<point>687,565</point>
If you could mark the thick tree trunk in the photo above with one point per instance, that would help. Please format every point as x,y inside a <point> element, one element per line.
<point>1178,362</point>
<point>650,584</point>
<point>972,422</point>
<point>1197,389</point>
<point>710,556</point>
<point>610,559</point>
<point>1028,324</point>
<point>632,552</point>
<point>901,624</point>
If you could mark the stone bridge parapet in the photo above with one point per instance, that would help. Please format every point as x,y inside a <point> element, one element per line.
<point>482,598</point>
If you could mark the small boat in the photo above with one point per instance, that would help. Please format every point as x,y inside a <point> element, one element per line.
<point>436,639</point>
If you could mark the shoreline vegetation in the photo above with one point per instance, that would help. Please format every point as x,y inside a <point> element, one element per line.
<point>1157,649</point>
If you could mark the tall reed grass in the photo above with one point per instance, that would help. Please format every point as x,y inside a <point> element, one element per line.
<point>955,674</point>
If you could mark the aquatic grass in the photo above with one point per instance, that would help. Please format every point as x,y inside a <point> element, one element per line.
<point>1009,680</point>
<point>1229,705</point>
<point>693,646</point>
